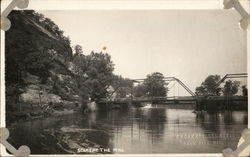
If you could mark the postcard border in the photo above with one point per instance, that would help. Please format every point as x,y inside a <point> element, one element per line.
<point>120,5</point>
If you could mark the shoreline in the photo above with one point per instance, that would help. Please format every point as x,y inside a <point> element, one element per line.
<point>26,116</point>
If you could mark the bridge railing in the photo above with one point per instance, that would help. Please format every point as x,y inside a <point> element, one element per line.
<point>148,99</point>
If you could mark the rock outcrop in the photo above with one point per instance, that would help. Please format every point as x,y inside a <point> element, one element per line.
<point>45,73</point>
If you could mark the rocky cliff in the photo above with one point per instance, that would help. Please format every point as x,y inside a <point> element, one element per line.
<point>38,66</point>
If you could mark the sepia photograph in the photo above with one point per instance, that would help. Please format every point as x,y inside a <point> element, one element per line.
<point>125,81</point>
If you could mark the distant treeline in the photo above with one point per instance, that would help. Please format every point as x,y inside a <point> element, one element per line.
<point>210,87</point>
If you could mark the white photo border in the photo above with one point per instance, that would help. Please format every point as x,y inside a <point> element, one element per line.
<point>118,5</point>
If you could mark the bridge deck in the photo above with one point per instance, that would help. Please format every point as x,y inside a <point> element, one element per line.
<point>173,99</point>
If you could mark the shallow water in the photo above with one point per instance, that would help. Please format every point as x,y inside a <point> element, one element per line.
<point>158,129</point>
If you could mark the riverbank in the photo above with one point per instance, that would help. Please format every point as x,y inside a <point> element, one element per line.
<point>61,133</point>
<point>36,111</point>
<point>72,139</point>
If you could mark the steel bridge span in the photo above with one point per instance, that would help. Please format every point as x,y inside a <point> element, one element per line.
<point>199,101</point>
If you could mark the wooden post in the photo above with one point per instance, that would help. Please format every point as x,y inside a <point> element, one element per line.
<point>20,106</point>
<point>131,97</point>
<point>40,98</point>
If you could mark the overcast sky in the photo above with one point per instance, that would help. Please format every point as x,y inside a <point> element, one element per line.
<point>189,45</point>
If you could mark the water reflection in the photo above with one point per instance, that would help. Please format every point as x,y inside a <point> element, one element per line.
<point>223,126</point>
<point>136,130</point>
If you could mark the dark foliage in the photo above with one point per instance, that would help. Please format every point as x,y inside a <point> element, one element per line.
<point>209,87</point>
<point>28,44</point>
<point>155,85</point>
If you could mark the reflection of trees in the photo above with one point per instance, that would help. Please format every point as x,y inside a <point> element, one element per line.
<point>140,121</point>
<point>149,124</point>
<point>221,125</point>
<point>139,124</point>
<point>228,118</point>
<point>245,120</point>
<point>209,121</point>
<point>151,120</point>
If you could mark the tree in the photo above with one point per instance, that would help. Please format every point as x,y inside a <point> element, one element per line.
<point>119,81</point>
<point>46,23</point>
<point>230,88</point>
<point>210,86</point>
<point>244,90</point>
<point>123,92</point>
<point>155,85</point>
<point>39,65</point>
<point>200,91</point>
<point>78,50</point>
<point>140,90</point>
<point>122,86</point>
<point>94,72</point>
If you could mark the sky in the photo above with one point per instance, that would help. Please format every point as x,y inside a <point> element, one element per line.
<point>187,44</point>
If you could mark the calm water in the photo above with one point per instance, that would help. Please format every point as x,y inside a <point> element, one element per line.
<point>159,129</point>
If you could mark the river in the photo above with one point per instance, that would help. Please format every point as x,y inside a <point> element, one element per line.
<point>158,129</point>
